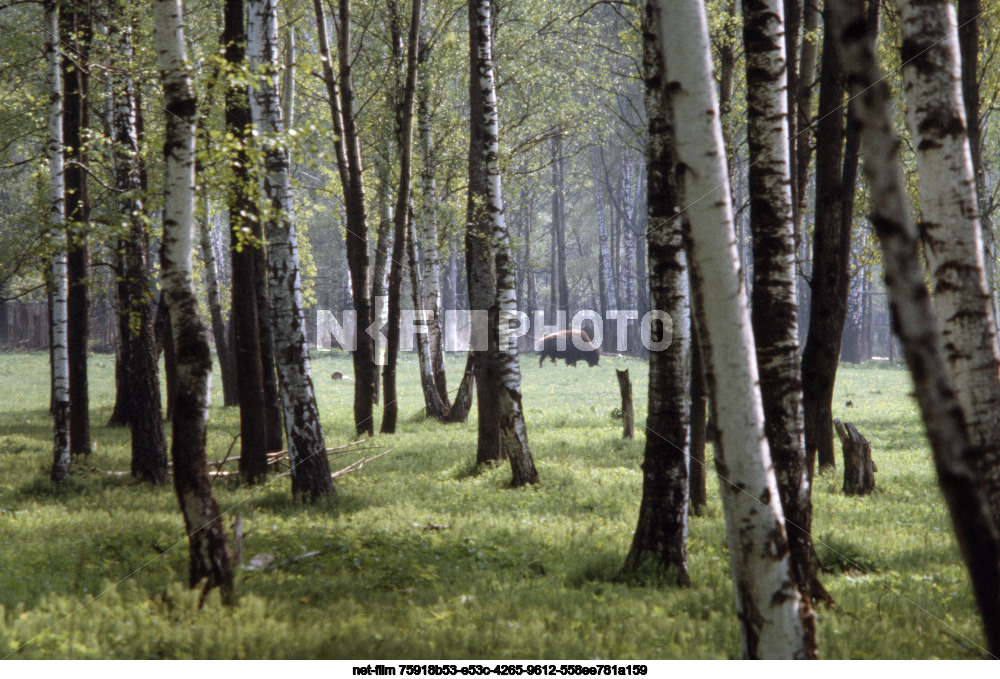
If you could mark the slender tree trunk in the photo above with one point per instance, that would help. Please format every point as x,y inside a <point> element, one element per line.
<point>806,77</point>
<point>268,362</point>
<point>951,231</point>
<point>380,268</point>
<point>402,230</point>
<point>209,550</point>
<point>306,448</point>
<point>830,270</point>
<point>229,397</point>
<point>428,220</point>
<point>433,405</point>
<point>165,343</point>
<point>242,216</point>
<point>140,379</point>
<point>75,33</point>
<point>559,221</point>
<point>503,358</point>
<point>660,540</point>
<point>608,286</point>
<point>57,220</point>
<point>697,468</point>
<point>774,304</point>
<point>913,317</point>
<point>348,149</point>
<point>480,263</point>
<point>768,604</point>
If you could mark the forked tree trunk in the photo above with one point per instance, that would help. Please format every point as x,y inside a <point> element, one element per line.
<point>950,228</point>
<point>402,229</point>
<point>306,448</point>
<point>209,550</point>
<point>140,377</point>
<point>913,317</point>
<point>74,34</point>
<point>348,150</point>
<point>57,218</point>
<point>503,357</point>
<point>242,213</point>
<point>767,602</point>
<point>775,299</point>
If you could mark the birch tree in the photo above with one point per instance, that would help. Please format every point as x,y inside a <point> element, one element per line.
<point>306,448</point>
<point>775,299</point>
<point>504,355</point>
<point>57,223</point>
<point>913,317</point>
<point>247,351</point>
<point>139,364</point>
<point>209,551</point>
<point>660,540</point>
<point>950,225</point>
<point>767,602</point>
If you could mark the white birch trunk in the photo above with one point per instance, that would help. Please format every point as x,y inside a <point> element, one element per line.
<point>306,448</point>
<point>767,602</point>
<point>951,227</point>
<point>208,548</point>
<point>432,400</point>
<point>513,429</point>
<point>57,219</point>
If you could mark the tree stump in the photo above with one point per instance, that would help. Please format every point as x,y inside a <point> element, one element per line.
<point>628,414</point>
<point>859,469</point>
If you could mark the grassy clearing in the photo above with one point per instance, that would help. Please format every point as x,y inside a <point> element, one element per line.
<point>516,574</point>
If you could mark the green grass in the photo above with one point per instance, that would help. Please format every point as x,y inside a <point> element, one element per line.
<point>524,573</point>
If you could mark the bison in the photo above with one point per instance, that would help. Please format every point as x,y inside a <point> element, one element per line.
<point>571,351</point>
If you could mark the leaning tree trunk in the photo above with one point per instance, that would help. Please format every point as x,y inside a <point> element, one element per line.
<point>767,601</point>
<point>775,299</point>
<point>209,550</point>
<point>141,380</point>
<point>660,540</point>
<point>503,356</point>
<point>75,32</point>
<point>242,213</point>
<point>913,317</point>
<point>480,263</point>
<point>306,448</point>
<point>950,228</point>
<point>57,217</point>
<point>401,229</point>
<point>830,269</point>
<point>347,146</point>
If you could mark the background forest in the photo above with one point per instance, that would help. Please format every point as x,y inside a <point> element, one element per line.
<point>186,187</point>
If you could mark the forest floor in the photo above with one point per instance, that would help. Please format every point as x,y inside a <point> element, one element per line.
<point>421,555</point>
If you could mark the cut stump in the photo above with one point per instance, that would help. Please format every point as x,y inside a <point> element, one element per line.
<point>859,468</point>
<point>628,414</point>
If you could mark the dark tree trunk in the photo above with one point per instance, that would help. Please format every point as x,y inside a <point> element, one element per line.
<point>140,383</point>
<point>401,227</point>
<point>272,402</point>
<point>242,217</point>
<point>561,281</point>
<point>341,96</point>
<point>75,33</point>
<point>699,417</point>
<point>480,266</point>
<point>831,265</point>
<point>859,469</point>
<point>660,540</point>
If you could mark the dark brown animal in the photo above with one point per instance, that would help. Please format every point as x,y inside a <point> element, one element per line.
<point>570,352</point>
